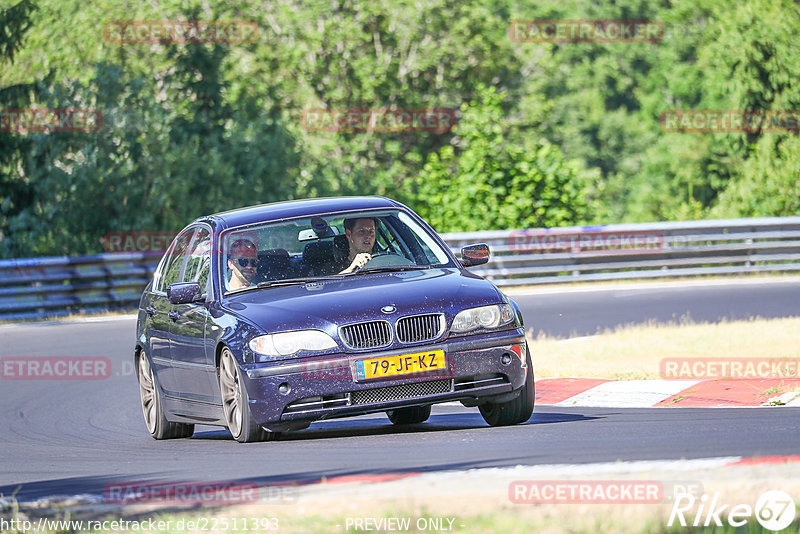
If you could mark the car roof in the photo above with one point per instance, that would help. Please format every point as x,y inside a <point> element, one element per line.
<point>298,208</point>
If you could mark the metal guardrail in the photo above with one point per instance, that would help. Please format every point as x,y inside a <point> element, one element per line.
<point>635,251</point>
<point>42,287</point>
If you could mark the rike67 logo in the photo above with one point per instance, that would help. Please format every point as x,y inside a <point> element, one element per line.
<point>774,510</point>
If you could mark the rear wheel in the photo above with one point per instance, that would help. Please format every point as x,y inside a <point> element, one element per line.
<point>515,411</point>
<point>409,416</point>
<point>235,403</point>
<point>154,418</point>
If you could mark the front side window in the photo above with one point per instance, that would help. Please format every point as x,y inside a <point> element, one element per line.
<point>326,245</point>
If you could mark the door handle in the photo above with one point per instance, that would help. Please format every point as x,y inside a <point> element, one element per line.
<point>174,315</point>
<point>151,311</point>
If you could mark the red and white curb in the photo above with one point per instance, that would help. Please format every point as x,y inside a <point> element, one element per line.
<point>595,392</point>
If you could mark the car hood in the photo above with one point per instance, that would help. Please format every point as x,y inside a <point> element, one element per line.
<point>326,305</point>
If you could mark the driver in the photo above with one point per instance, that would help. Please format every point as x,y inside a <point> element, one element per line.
<point>243,262</point>
<point>360,235</point>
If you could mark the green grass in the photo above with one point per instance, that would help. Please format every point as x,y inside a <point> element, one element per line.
<point>635,352</point>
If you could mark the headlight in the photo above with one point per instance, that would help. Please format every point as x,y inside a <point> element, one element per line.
<point>288,343</point>
<point>488,317</point>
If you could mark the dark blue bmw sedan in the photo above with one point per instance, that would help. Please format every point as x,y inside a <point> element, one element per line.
<point>265,319</point>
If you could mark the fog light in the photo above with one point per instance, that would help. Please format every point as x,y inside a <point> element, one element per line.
<point>506,359</point>
<point>284,389</point>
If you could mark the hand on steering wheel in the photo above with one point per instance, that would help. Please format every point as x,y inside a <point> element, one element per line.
<point>359,261</point>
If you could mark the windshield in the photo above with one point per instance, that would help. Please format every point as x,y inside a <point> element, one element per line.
<point>333,245</point>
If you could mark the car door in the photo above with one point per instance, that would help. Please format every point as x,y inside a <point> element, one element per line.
<point>159,309</point>
<point>193,366</point>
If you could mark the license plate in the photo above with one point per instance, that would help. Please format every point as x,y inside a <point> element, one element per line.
<point>402,364</point>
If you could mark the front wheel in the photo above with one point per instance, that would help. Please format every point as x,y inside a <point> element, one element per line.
<point>235,405</point>
<point>157,424</point>
<point>516,411</point>
<point>409,416</point>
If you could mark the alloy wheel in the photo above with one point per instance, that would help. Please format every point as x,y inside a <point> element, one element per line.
<point>231,392</point>
<point>147,392</point>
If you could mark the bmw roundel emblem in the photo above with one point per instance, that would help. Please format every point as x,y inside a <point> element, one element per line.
<point>388,309</point>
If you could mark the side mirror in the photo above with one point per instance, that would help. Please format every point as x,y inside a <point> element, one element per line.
<point>474,255</point>
<point>184,293</point>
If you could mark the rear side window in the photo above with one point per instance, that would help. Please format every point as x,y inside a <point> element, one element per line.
<point>170,269</point>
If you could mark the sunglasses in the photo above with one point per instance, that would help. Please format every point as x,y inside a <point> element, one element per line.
<point>244,262</point>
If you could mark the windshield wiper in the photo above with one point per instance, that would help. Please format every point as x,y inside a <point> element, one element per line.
<point>297,281</point>
<point>389,269</point>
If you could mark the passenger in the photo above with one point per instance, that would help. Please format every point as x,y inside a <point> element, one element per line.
<point>360,235</point>
<point>243,263</point>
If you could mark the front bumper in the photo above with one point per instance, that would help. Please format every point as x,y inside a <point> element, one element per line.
<point>309,389</point>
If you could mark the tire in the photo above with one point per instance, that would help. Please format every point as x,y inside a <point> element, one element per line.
<point>516,411</point>
<point>235,403</point>
<point>152,410</point>
<point>409,416</point>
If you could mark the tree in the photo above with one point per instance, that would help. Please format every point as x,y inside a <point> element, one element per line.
<point>16,192</point>
<point>485,182</point>
<point>173,146</point>
<point>756,66</point>
<point>366,55</point>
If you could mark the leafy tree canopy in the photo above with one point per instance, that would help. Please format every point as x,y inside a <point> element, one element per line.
<point>548,133</point>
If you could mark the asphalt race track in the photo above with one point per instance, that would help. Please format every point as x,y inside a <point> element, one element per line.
<point>580,312</point>
<point>75,437</point>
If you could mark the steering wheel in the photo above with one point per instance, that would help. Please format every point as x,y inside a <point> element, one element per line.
<point>388,259</point>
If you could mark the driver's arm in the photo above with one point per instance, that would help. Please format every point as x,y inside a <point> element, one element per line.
<point>358,262</point>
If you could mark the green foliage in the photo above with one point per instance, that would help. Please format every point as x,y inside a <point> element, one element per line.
<point>762,74</point>
<point>14,22</point>
<point>486,182</point>
<point>16,192</point>
<point>549,134</point>
<point>402,54</point>
<point>149,168</point>
<point>769,183</point>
